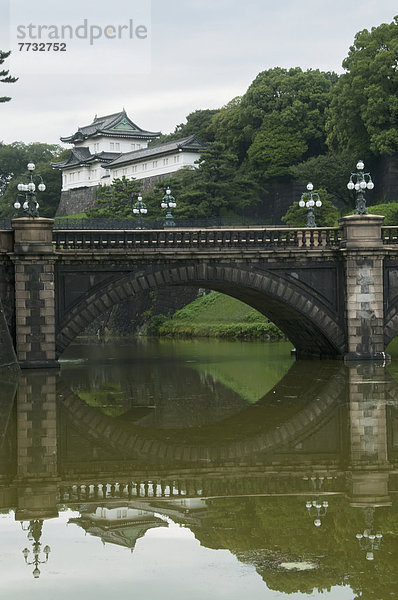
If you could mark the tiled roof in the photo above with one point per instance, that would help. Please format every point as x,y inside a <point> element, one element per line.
<point>117,124</point>
<point>82,155</point>
<point>190,144</point>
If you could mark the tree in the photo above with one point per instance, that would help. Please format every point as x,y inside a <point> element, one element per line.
<point>197,123</point>
<point>329,171</point>
<point>116,201</point>
<point>363,115</point>
<point>279,120</point>
<point>5,77</point>
<point>325,216</point>
<point>48,200</point>
<point>14,158</point>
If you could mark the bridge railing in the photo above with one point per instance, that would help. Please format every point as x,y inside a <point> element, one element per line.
<point>389,234</point>
<point>261,238</point>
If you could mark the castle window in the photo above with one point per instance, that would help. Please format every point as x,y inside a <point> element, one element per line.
<point>117,146</point>
<point>124,171</point>
<point>144,166</point>
<point>112,145</point>
<point>155,164</point>
<point>133,146</point>
<point>177,158</point>
<point>165,161</point>
<point>96,147</point>
<point>134,168</point>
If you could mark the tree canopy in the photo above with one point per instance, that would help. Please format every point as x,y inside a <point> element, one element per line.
<point>363,114</point>
<point>197,123</point>
<point>13,161</point>
<point>279,121</point>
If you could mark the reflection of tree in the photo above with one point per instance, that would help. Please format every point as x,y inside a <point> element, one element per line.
<point>269,531</point>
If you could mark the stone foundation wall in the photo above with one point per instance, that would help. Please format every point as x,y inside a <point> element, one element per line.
<point>76,201</point>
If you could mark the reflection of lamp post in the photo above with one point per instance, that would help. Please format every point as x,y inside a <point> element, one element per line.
<point>28,188</point>
<point>140,209</point>
<point>168,202</point>
<point>359,182</point>
<point>35,529</point>
<point>317,509</point>
<point>369,541</point>
<point>310,200</point>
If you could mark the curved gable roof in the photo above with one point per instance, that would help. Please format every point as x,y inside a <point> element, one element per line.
<point>116,124</point>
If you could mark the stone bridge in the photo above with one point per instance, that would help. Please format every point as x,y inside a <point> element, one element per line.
<point>332,291</point>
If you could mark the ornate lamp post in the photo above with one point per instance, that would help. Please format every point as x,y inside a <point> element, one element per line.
<point>35,529</point>
<point>317,510</point>
<point>310,200</point>
<point>360,181</point>
<point>140,209</point>
<point>168,202</point>
<point>27,187</point>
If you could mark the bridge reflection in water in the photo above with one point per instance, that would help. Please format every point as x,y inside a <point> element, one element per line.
<point>253,479</point>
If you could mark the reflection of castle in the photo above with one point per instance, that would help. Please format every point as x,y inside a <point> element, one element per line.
<point>117,524</point>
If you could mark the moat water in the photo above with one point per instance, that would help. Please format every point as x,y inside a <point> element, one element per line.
<point>201,470</point>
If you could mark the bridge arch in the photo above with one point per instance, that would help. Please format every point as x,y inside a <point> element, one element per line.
<point>254,437</point>
<point>301,313</point>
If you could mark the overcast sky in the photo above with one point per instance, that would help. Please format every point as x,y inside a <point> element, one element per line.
<point>185,55</point>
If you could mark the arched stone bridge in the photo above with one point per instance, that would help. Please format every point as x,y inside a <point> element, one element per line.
<point>332,291</point>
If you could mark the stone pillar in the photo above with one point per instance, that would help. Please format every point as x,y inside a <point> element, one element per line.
<point>368,435</point>
<point>363,248</point>
<point>34,259</point>
<point>37,468</point>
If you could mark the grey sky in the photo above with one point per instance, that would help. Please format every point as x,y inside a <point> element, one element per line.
<point>198,54</point>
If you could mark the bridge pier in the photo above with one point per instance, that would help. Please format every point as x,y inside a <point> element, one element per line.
<point>34,259</point>
<point>363,248</point>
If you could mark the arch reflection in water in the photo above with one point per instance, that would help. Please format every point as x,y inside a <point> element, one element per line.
<point>238,481</point>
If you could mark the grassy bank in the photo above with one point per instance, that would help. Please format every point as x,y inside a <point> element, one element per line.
<point>219,316</point>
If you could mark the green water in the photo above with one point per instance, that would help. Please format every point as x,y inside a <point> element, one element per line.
<point>175,469</point>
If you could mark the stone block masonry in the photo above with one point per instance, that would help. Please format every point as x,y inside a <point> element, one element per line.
<point>34,292</point>
<point>363,248</point>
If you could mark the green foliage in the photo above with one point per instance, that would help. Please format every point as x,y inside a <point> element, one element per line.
<point>5,77</point>
<point>331,172</point>
<point>219,316</point>
<point>14,158</point>
<point>325,216</point>
<point>279,121</point>
<point>197,123</point>
<point>116,201</point>
<point>216,188</point>
<point>389,211</point>
<point>363,114</point>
